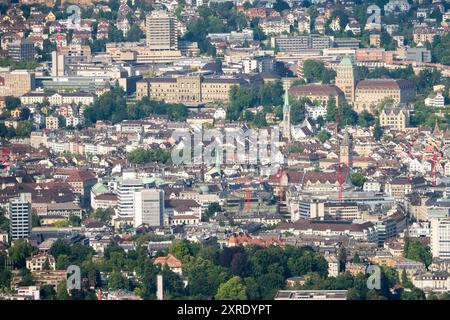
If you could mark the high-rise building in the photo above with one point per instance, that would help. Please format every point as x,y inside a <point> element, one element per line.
<point>148,207</point>
<point>346,78</point>
<point>20,217</point>
<point>21,50</point>
<point>286,114</point>
<point>16,83</point>
<point>161,31</point>
<point>125,196</point>
<point>58,64</point>
<point>440,238</point>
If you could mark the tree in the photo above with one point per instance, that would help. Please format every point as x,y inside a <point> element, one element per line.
<point>12,103</point>
<point>142,156</point>
<point>62,262</point>
<point>5,278</point>
<point>358,179</point>
<point>366,119</point>
<point>74,220</point>
<point>47,292</point>
<point>103,215</point>
<point>356,258</point>
<point>312,70</point>
<point>61,291</point>
<point>377,132</point>
<point>20,251</point>
<point>24,129</point>
<point>342,257</point>
<point>417,251</point>
<point>233,289</point>
<point>212,209</point>
<point>60,247</point>
<point>26,278</point>
<point>117,281</point>
<point>134,34</point>
<point>280,6</point>
<point>323,136</point>
<point>35,221</point>
<point>414,294</point>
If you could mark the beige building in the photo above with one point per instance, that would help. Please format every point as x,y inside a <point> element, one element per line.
<point>370,93</point>
<point>37,262</point>
<point>17,83</point>
<point>395,117</point>
<point>346,78</point>
<point>161,31</point>
<point>51,123</point>
<point>190,90</point>
<point>320,93</point>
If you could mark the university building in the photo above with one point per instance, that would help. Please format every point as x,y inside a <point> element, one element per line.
<point>189,90</point>
<point>370,93</point>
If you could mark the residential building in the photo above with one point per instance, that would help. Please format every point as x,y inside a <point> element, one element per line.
<point>20,217</point>
<point>440,238</point>
<point>125,196</point>
<point>38,262</point>
<point>160,31</point>
<point>395,117</point>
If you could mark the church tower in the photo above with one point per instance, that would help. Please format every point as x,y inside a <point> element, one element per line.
<point>345,150</point>
<point>286,114</point>
<point>346,78</point>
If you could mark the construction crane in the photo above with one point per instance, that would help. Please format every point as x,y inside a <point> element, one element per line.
<point>435,157</point>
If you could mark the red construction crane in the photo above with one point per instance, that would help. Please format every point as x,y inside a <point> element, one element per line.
<point>435,157</point>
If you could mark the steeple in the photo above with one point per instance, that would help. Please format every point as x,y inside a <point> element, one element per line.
<point>286,113</point>
<point>437,132</point>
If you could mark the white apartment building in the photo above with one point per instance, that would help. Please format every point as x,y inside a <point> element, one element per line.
<point>440,238</point>
<point>19,210</point>
<point>315,112</point>
<point>436,101</point>
<point>125,196</point>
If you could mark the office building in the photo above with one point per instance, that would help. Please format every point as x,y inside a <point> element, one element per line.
<point>161,31</point>
<point>149,207</point>
<point>125,196</point>
<point>58,64</point>
<point>440,238</point>
<point>21,50</point>
<point>418,55</point>
<point>20,217</point>
<point>299,43</point>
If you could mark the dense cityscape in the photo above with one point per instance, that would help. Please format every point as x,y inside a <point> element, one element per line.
<point>225,150</point>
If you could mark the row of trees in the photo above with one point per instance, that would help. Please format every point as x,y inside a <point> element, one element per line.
<point>142,156</point>
<point>112,106</point>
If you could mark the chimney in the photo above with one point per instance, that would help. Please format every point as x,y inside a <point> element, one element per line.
<point>159,287</point>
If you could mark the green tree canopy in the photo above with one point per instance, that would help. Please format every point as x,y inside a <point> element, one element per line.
<point>233,289</point>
